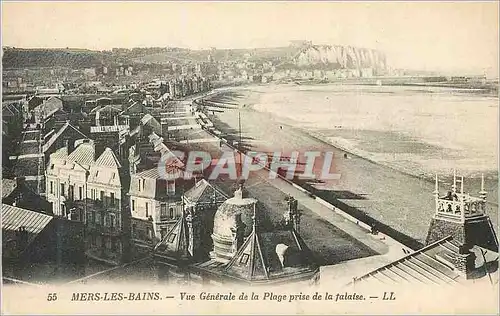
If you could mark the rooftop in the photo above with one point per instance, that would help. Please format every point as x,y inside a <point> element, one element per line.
<point>108,159</point>
<point>55,136</point>
<point>8,186</point>
<point>431,265</point>
<point>204,192</point>
<point>14,217</point>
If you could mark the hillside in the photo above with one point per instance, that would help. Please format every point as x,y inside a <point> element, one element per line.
<point>72,58</point>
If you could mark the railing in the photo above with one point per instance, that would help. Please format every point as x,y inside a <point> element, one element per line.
<point>164,218</point>
<point>463,206</point>
<point>102,229</point>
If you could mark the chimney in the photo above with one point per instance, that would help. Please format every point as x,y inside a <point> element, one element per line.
<point>69,146</point>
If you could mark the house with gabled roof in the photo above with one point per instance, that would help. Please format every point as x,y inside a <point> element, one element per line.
<point>107,212</point>
<point>45,110</point>
<point>155,204</point>
<point>89,186</point>
<point>66,135</point>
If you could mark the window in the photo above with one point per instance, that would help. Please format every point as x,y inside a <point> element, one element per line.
<point>93,194</point>
<point>150,233</point>
<point>171,211</point>
<point>97,218</point>
<point>170,187</point>
<point>143,183</point>
<point>113,244</point>
<point>171,238</point>
<point>133,205</point>
<point>134,229</point>
<point>71,192</point>
<point>244,258</point>
<point>62,189</point>
<point>102,195</point>
<point>80,193</point>
<point>112,198</point>
<point>163,210</point>
<point>51,187</point>
<point>112,220</point>
<point>163,232</point>
<point>147,209</point>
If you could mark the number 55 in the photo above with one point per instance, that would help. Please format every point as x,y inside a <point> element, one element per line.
<point>52,297</point>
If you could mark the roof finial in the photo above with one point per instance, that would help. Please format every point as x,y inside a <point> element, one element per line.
<point>483,192</point>
<point>239,192</point>
<point>462,185</point>
<point>254,217</point>
<point>436,187</point>
<point>454,186</point>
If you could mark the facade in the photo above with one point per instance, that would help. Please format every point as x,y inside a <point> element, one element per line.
<point>155,205</point>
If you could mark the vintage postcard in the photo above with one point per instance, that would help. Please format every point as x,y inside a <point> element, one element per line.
<point>235,158</point>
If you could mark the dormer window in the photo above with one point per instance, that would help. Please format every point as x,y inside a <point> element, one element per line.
<point>244,258</point>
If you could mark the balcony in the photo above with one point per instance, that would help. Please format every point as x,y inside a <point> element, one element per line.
<point>167,218</point>
<point>104,230</point>
<point>461,207</point>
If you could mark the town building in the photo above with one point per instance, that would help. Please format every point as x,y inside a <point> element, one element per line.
<point>155,204</point>
<point>15,192</point>
<point>90,186</point>
<point>34,243</point>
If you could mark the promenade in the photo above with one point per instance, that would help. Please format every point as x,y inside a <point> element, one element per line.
<point>396,202</point>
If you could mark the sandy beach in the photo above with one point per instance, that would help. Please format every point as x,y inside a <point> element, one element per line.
<point>393,195</point>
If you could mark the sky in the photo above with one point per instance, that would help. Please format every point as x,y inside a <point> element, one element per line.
<point>443,36</point>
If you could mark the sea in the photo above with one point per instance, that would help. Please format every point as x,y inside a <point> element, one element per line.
<point>417,129</point>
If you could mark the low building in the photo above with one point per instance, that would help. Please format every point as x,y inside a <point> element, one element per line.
<point>32,239</point>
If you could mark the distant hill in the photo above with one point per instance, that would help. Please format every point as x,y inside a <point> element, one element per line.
<point>72,58</point>
<point>288,57</point>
